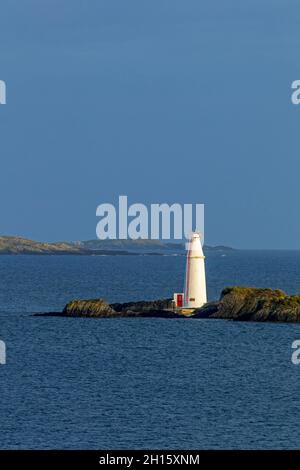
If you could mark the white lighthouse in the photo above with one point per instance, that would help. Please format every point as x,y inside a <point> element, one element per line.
<point>195,282</point>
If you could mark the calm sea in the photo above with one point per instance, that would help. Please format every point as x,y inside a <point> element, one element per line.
<point>144,383</point>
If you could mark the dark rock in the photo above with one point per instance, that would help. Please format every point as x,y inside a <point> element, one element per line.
<point>48,314</point>
<point>251,304</point>
<point>207,311</point>
<point>144,306</point>
<point>100,309</point>
<point>162,308</point>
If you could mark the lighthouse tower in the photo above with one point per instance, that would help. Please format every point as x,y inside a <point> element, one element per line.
<point>195,283</point>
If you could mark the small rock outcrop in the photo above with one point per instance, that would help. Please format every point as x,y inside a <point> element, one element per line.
<point>99,308</point>
<point>88,308</point>
<point>252,304</point>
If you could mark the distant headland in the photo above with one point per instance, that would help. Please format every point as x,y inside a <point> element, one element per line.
<point>10,245</point>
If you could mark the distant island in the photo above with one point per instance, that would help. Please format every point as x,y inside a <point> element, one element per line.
<point>10,245</point>
<point>235,303</point>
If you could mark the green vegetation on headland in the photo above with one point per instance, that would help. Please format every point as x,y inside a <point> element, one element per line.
<point>18,245</point>
<point>143,245</point>
<point>236,303</point>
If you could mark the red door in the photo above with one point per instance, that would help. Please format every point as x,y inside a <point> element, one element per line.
<point>179,300</point>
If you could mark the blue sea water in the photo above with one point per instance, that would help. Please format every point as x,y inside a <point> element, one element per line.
<point>144,383</point>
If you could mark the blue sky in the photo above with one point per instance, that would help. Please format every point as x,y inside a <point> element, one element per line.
<point>165,101</point>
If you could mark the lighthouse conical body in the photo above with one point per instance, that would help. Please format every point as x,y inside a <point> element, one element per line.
<point>195,282</point>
